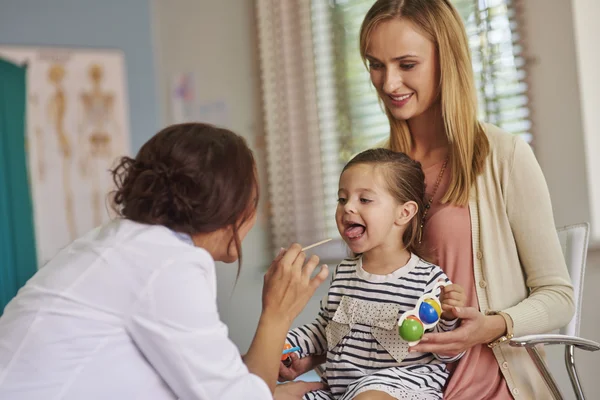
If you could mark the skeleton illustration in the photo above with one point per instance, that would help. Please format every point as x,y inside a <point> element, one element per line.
<point>56,109</point>
<point>97,130</point>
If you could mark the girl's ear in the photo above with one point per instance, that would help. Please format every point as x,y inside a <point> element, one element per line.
<point>406,212</point>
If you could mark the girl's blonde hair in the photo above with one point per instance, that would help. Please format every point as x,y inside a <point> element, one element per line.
<point>442,24</point>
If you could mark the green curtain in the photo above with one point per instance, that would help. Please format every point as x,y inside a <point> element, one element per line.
<point>17,241</point>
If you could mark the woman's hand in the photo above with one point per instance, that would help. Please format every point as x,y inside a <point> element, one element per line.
<point>295,390</point>
<point>475,328</point>
<point>287,289</point>
<point>299,366</point>
<point>288,285</point>
<point>452,296</point>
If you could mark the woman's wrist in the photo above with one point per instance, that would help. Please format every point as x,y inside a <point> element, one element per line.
<point>496,327</point>
<point>276,322</point>
<point>276,328</point>
<point>264,355</point>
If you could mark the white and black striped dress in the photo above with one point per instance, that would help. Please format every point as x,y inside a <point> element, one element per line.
<point>357,328</point>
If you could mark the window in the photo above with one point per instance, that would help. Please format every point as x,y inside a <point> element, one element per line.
<point>320,107</point>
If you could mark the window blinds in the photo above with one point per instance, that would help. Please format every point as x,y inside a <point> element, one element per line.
<point>498,63</point>
<point>320,107</point>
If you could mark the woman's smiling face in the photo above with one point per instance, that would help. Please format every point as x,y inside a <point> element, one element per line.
<point>404,68</point>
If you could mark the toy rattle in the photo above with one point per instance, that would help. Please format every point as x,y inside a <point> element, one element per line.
<point>285,358</point>
<point>426,314</point>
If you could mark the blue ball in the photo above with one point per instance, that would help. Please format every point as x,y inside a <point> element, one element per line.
<point>427,313</point>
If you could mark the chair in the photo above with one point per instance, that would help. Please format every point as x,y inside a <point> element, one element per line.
<point>574,242</point>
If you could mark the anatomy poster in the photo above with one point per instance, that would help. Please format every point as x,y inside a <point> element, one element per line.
<point>77,127</point>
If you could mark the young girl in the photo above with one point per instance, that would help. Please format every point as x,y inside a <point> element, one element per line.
<point>380,215</point>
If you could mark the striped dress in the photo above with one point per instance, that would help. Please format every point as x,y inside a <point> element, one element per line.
<point>357,328</point>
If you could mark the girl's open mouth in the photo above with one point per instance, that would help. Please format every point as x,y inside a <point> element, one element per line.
<point>354,231</point>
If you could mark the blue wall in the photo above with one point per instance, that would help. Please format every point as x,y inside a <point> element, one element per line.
<point>122,24</point>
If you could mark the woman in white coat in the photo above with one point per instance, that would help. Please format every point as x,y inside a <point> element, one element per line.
<point>129,311</point>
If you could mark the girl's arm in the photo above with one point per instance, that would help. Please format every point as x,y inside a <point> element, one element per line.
<point>311,338</point>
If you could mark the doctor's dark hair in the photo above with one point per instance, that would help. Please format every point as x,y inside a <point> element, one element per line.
<point>405,181</point>
<point>192,178</point>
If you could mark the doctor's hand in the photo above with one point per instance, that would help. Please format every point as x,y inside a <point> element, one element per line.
<point>289,285</point>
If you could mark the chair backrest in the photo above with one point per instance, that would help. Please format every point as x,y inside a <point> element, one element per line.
<point>574,242</point>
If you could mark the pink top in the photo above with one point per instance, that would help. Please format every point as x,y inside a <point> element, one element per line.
<point>447,232</point>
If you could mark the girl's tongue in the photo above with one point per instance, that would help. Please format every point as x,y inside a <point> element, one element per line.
<point>354,231</point>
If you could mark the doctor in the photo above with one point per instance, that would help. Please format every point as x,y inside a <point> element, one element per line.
<point>129,311</point>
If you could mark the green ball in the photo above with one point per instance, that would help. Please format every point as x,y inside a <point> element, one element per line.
<point>411,329</point>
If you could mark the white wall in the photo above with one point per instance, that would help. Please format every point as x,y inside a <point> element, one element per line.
<point>559,146</point>
<point>587,33</point>
<point>217,41</point>
<point>555,106</point>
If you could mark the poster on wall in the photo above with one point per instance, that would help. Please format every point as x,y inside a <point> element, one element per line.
<point>77,128</point>
<point>183,98</point>
<point>185,106</point>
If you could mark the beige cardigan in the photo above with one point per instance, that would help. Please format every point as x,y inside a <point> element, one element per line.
<point>518,263</point>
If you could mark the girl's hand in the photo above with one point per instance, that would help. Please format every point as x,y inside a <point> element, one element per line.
<point>475,328</point>
<point>452,296</point>
<point>298,367</point>
<point>288,285</point>
<point>295,390</point>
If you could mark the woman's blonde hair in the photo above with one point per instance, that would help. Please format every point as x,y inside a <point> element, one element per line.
<point>442,24</point>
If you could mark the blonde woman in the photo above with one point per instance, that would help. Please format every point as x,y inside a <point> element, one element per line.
<point>488,215</point>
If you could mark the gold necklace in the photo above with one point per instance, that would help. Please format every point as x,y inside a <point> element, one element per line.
<point>428,204</point>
